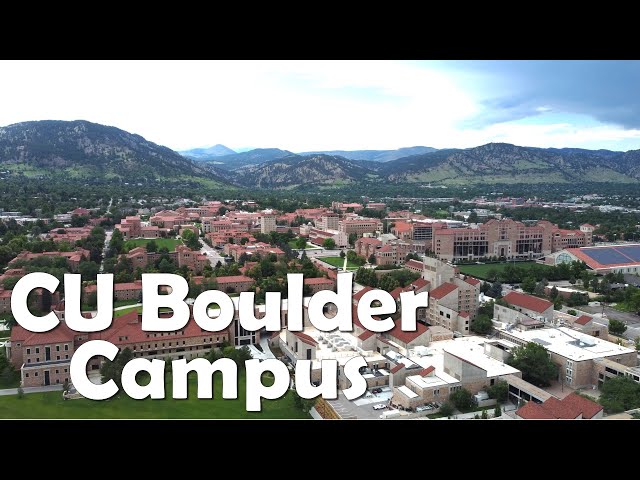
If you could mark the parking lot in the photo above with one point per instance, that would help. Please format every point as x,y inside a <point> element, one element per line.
<point>362,407</point>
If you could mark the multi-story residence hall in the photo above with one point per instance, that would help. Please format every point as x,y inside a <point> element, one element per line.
<point>44,358</point>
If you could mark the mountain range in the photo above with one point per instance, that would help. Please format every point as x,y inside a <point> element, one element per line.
<point>81,149</point>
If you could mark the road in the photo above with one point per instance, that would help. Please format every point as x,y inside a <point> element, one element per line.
<point>107,239</point>
<point>631,320</point>
<point>213,254</point>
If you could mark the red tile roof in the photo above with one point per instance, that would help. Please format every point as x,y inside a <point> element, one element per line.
<point>406,337</point>
<point>305,338</point>
<point>359,295</point>
<point>527,301</point>
<point>569,407</point>
<point>420,283</point>
<point>588,408</point>
<point>414,264</point>
<point>442,291</point>
<point>365,335</point>
<point>397,368</point>
<point>534,411</point>
<point>472,281</point>
<point>59,334</point>
<point>233,279</point>
<point>369,241</point>
<point>395,293</point>
<point>463,314</point>
<point>318,281</point>
<point>583,319</point>
<point>426,371</point>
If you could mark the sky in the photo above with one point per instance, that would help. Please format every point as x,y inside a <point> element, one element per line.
<point>336,105</point>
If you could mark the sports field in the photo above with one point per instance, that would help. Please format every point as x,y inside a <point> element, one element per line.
<point>480,271</point>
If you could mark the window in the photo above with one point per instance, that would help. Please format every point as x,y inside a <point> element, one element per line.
<point>28,351</point>
<point>65,370</point>
<point>26,375</point>
<point>35,374</point>
<point>57,371</point>
<point>37,350</point>
<point>57,348</point>
<point>66,347</point>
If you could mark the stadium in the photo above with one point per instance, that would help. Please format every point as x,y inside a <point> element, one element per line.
<point>623,258</point>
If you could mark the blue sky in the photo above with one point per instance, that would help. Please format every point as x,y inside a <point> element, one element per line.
<point>313,105</point>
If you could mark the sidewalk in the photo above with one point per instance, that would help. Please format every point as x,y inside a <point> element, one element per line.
<point>14,391</point>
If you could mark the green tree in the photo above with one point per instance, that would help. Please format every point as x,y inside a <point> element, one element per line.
<point>191,240</point>
<point>303,404</point>
<point>529,284</point>
<point>112,370</point>
<point>617,327</point>
<point>117,242</point>
<point>484,415</point>
<point>342,254</point>
<point>534,363</point>
<point>372,259</point>
<point>446,409</point>
<point>301,243</point>
<point>572,312</point>
<point>496,290</point>
<point>329,243</point>
<point>462,399</point>
<point>619,394</point>
<point>152,246</point>
<point>497,412</point>
<point>482,324</point>
<point>353,237</point>
<point>499,391</point>
<point>554,293</point>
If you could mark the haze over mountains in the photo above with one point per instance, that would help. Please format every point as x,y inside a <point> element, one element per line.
<point>81,149</point>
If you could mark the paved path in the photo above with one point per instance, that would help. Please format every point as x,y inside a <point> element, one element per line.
<point>264,343</point>
<point>14,391</point>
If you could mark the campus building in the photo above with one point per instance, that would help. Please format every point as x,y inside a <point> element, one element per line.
<point>623,258</point>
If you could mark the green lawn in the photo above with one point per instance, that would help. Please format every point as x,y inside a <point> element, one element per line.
<point>480,271</point>
<point>623,307</point>
<point>338,262</point>
<point>119,313</point>
<point>51,405</point>
<point>122,303</point>
<point>170,243</point>
<point>309,246</point>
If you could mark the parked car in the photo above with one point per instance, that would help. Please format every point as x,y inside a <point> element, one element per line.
<point>379,406</point>
<point>376,390</point>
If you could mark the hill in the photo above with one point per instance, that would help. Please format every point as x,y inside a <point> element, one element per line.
<point>375,155</point>
<point>81,149</point>
<point>496,163</point>
<point>297,170</point>
<point>251,157</point>
<point>208,153</point>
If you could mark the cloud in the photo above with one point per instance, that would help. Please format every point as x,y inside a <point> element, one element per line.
<point>604,90</point>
